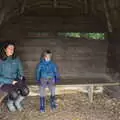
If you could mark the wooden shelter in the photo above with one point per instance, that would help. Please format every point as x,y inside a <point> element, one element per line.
<point>34,25</point>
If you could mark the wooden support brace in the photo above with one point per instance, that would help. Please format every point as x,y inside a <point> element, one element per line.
<point>2,96</point>
<point>2,15</point>
<point>23,7</point>
<point>107,14</point>
<point>90,93</point>
<point>86,6</point>
<point>55,3</point>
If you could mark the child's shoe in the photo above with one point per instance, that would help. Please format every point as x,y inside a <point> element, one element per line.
<point>42,104</point>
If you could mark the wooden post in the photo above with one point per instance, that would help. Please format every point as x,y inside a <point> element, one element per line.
<point>90,93</point>
<point>2,95</point>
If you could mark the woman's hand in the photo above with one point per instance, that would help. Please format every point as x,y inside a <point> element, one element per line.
<point>14,82</point>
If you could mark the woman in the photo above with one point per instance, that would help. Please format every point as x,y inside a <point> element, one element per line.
<point>12,78</point>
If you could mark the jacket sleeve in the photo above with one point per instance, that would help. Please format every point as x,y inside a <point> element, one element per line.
<point>20,69</point>
<point>56,72</point>
<point>3,80</point>
<point>38,69</point>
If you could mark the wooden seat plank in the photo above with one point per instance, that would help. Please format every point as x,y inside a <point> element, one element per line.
<point>2,95</point>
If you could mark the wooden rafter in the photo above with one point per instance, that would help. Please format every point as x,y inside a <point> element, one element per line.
<point>54,3</point>
<point>86,6</point>
<point>92,3</point>
<point>70,4</point>
<point>74,2</point>
<point>2,13</point>
<point>23,6</point>
<point>40,3</point>
<point>107,14</point>
<point>57,3</point>
<point>80,1</point>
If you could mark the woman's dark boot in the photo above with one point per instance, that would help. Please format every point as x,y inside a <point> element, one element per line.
<point>18,102</point>
<point>52,102</point>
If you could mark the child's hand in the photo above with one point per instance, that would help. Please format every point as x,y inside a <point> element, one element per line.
<point>57,79</point>
<point>38,82</point>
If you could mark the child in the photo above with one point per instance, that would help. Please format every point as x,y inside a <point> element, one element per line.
<point>47,76</point>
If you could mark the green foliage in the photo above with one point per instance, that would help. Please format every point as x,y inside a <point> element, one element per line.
<point>96,36</point>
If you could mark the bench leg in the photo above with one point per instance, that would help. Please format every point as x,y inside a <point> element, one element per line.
<point>90,93</point>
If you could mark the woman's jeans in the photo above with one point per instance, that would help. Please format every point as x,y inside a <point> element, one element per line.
<point>20,88</point>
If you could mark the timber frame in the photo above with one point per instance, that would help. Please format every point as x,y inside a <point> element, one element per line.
<point>72,16</point>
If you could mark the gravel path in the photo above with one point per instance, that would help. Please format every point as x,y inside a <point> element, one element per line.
<point>70,107</point>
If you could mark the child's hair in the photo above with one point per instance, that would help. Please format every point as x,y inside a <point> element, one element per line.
<point>46,52</point>
<point>3,55</point>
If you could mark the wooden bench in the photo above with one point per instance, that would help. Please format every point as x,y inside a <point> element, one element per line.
<point>2,96</point>
<point>90,83</point>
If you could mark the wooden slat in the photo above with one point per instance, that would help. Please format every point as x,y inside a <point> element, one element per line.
<point>2,96</point>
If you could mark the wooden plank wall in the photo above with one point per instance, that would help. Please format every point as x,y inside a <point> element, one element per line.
<point>76,58</point>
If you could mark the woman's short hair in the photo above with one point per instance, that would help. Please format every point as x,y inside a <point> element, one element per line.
<point>5,44</point>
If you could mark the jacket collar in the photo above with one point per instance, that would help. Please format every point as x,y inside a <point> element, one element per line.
<point>45,62</point>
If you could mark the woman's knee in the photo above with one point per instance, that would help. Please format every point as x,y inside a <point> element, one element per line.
<point>13,95</point>
<point>24,91</point>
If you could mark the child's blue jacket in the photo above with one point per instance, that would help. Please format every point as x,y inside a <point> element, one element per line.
<point>47,70</point>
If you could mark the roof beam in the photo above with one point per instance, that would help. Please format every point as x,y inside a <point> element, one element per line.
<point>54,3</point>
<point>23,7</point>
<point>86,6</point>
<point>57,3</point>
<point>107,15</point>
